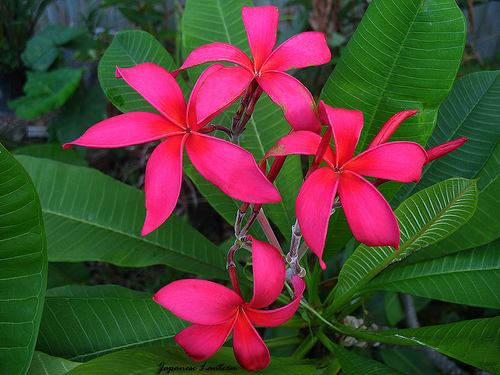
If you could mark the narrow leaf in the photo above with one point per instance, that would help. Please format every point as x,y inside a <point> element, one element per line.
<point>423,219</point>
<point>469,277</point>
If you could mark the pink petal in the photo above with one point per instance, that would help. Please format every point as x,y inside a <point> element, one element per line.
<point>216,52</point>
<point>314,207</point>
<point>300,143</point>
<point>199,301</point>
<point>261,24</point>
<point>346,125</point>
<point>272,318</point>
<point>268,274</point>
<point>300,51</point>
<point>443,149</point>
<point>368,214</point>
<point>249,349</point>
<point>200,341</point>
<point>163,182</point>
<point>399,161</point>
<point>231,168</point>
<point>218,91</point>
<point>158,87</point>
<point>390,127</point>
<point>127,129</point>
<point>293,98</point>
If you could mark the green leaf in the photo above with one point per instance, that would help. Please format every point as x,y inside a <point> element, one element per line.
<point>41,50</point>
<point>424,218</point>
<point>84,109</point>
<point>128,49</point>
<point>23,261</point>
<point>64,273</point>
<point>469,277</point>
<point>474,342</point>
<point>95,320</point>
<point>91,216</point>
<point>354,364</point>
<point>403,55</point>
<point>471,110</point>
<point>408,361</point>
<point>52,151</point>
<point>46,92</point>
<point>44,364</point>
<point>169,360</point>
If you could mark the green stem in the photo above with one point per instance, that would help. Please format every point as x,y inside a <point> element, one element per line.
<point>324,339</point>
<point>280,342</point>
<point>304,348</point>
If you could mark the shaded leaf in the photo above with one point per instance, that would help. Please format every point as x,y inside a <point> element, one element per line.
<point>469,277</point>
<point>46,92</point>
<point>474,342</point>
<point>174,361</point>
<point>52,151</point>
<point>84,109</point>
<point>424,218</point>
<point>44,364</point>
<point>354,364</point>
<point>95,320</point>
<point>23,264</point>
<point>91,216</point>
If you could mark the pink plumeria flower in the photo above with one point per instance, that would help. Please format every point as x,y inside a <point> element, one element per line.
<point>267,67</point>
<point>217,310</point>
<point>224,164</point>
<point>368,214</point>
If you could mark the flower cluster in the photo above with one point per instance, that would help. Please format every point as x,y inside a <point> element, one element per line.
<point>335,178</point>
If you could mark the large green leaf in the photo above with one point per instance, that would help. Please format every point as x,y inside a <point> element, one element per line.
<point>474,342</point>
<point>404,55</point>
<point>156,360</point>
<point>46,92</point>
<point>469,277</point>
<point>95,320</point>
<point>354,364</point>
<point>128,49</point>
<point>44,364</point>
<point>91,216</point>
<point>267,123</point>
<point>23,265</point>
<point>224,24</point>
<point>424,218</point>
<point>471,110</point>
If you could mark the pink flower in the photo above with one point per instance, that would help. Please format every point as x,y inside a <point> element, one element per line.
<point>368,214</point>
<point>224,164</point>
<point>267,67</point>
<point>217,310</point>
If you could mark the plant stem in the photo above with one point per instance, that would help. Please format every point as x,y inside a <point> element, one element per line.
<point>304,348</point>
<point>280,342</point>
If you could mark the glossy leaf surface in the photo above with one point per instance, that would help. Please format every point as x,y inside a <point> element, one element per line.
<point>91,216</point>
<point>23,265</point>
